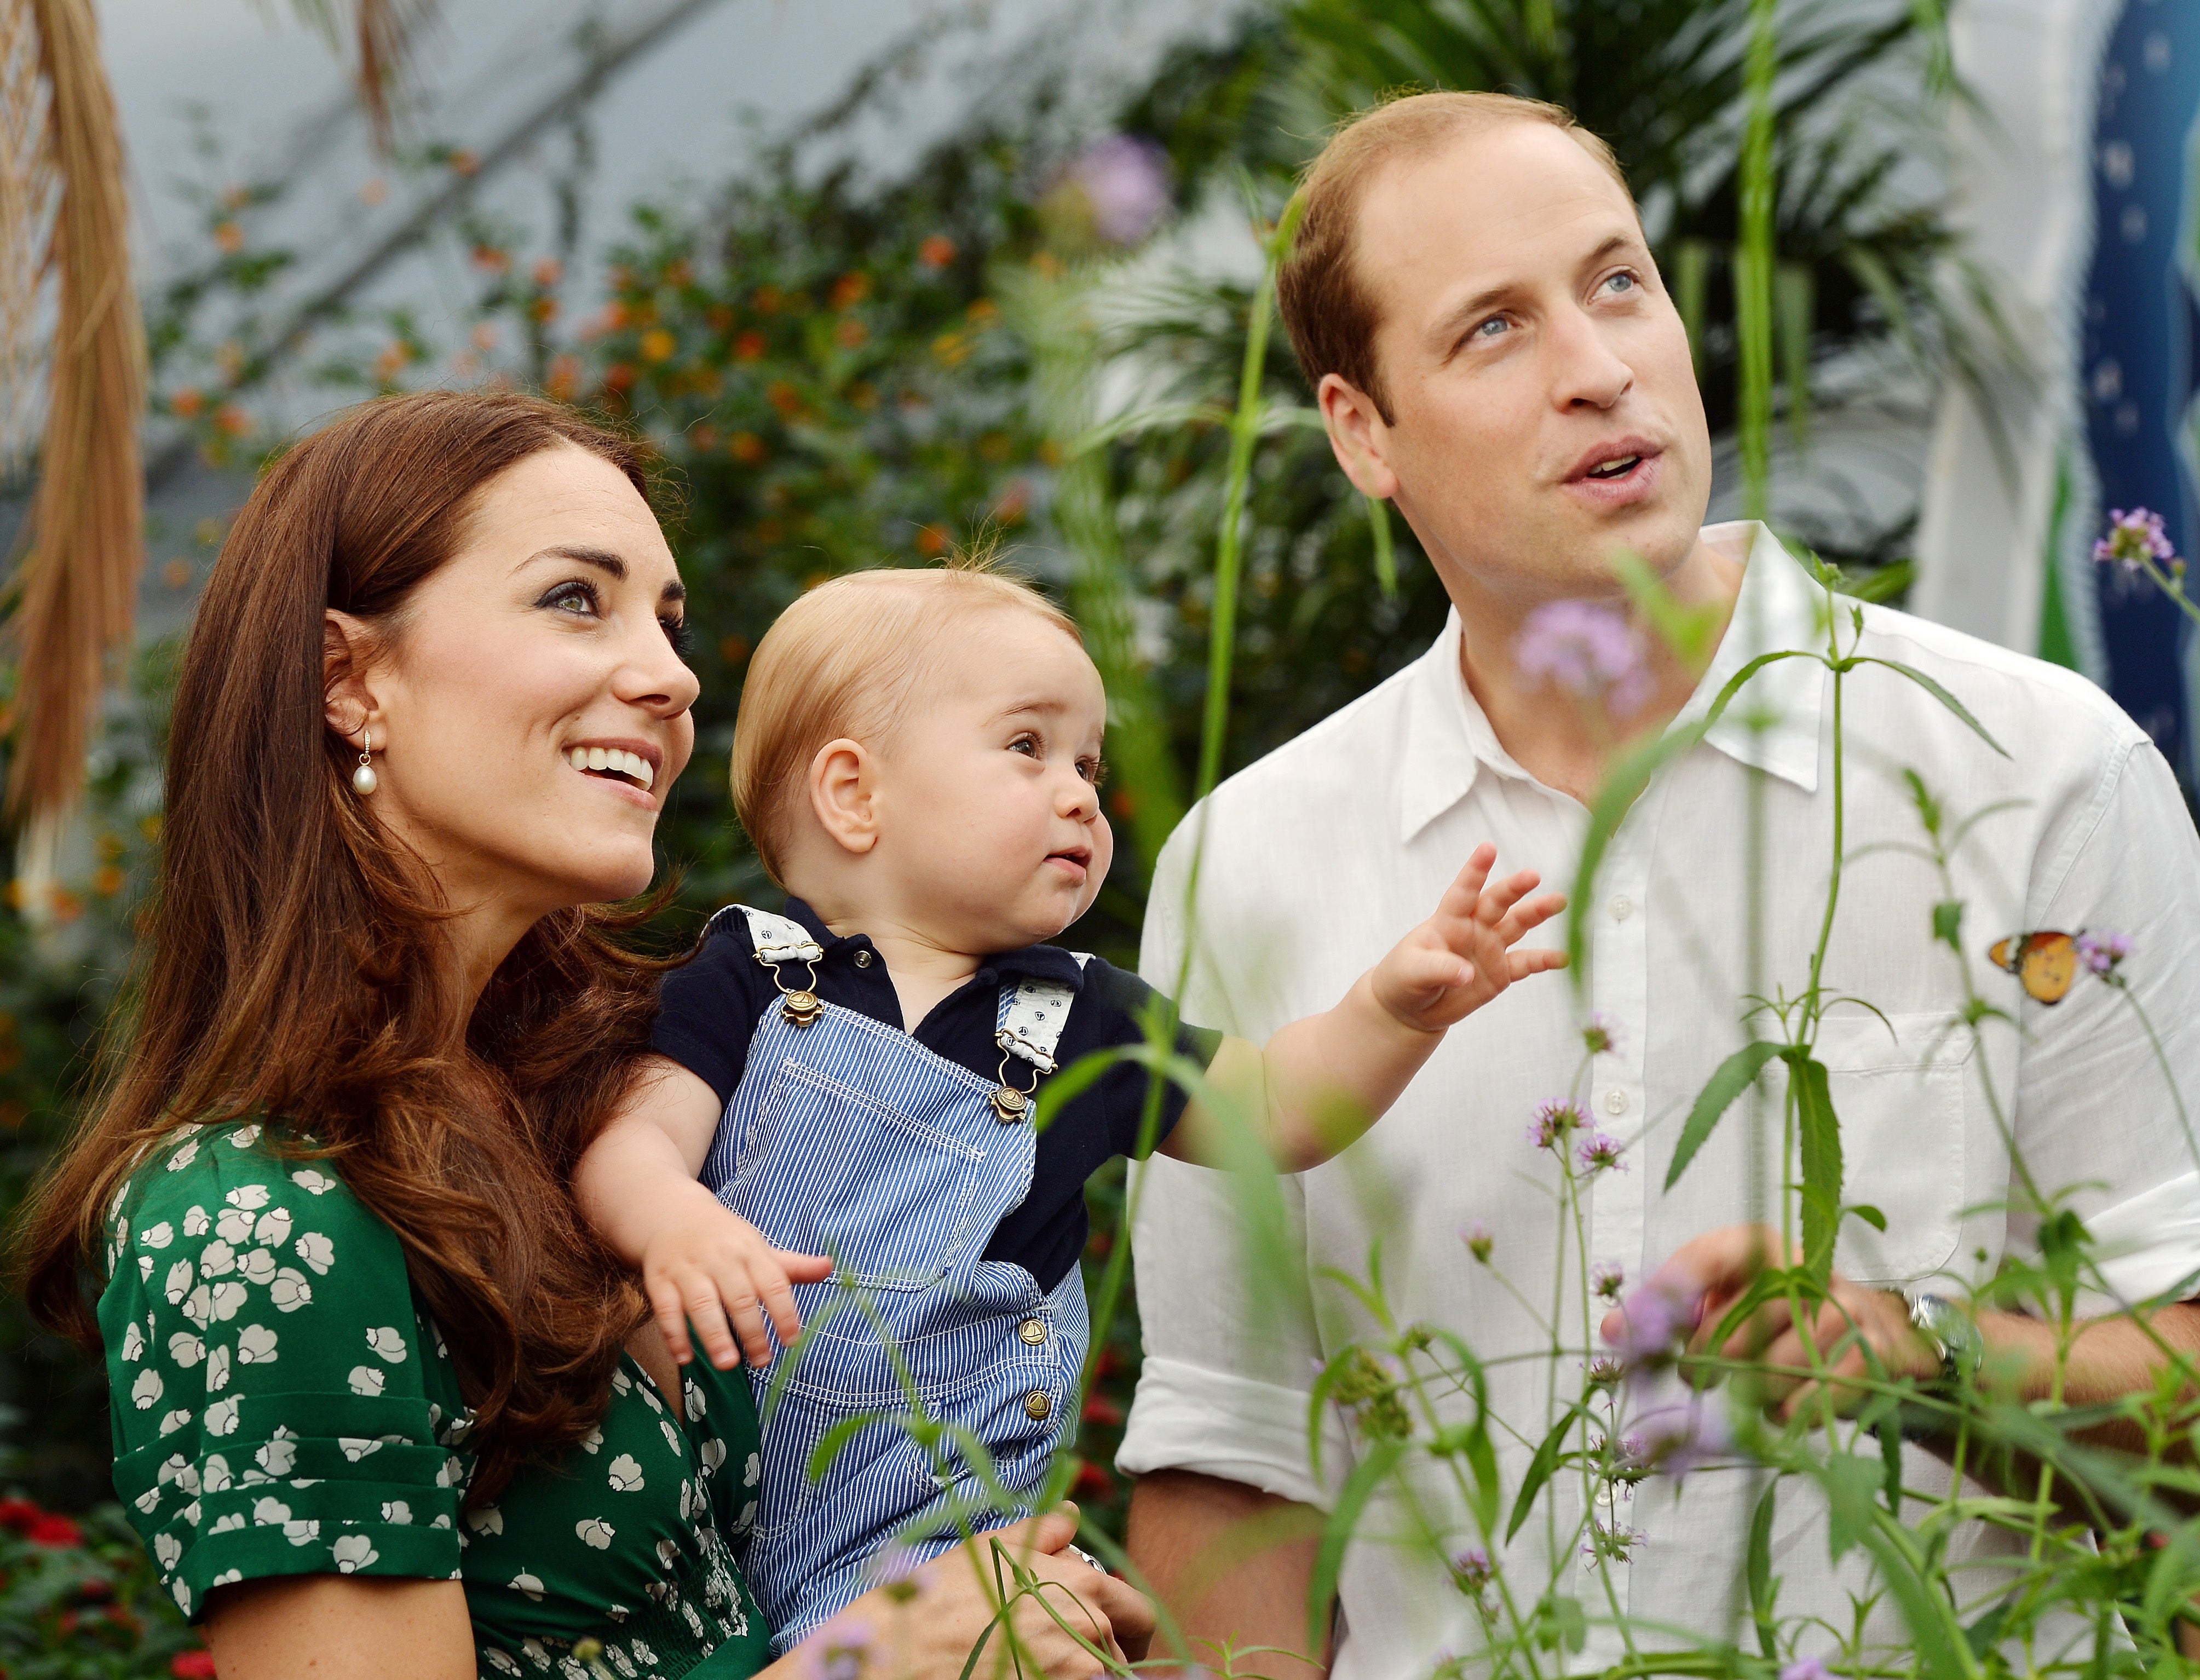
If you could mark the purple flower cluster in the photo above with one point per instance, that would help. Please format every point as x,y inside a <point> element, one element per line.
<point>1805,1668</point>
<point>1473,1569</point>
<point>1478,1240</point>
<point>1555,1122</point>
<point>2101,952</point>
<point>1600,1033</point>
<point>1655,1321</point>
<point>1607,1281</point>
<point>1599,1153</point>
<point>1588,650</point>
<point>2134,538</point>
<point>1124,180</point>
<point>1674,1439</point>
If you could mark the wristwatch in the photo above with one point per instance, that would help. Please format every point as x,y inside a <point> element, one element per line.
<point>1951,1333</point>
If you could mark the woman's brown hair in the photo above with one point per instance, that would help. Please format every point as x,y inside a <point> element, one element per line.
<point>293,960</point>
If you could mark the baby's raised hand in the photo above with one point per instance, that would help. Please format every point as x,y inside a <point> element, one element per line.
<point>705,1264</point>
<point>1462,956</point>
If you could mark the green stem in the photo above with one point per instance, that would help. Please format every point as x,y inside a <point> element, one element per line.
<point>1754,263</point>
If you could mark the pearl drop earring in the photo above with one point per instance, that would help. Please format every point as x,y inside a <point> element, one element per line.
<point>364,780</point>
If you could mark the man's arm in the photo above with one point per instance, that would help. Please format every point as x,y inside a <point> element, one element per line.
<point>1232,1565</point>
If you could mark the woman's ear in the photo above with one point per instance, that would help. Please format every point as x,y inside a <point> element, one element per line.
<point>843,794</point>
<point>348,699</point>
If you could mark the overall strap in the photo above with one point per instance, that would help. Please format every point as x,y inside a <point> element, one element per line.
<point>1033,1015</point>
<point>778,938</point>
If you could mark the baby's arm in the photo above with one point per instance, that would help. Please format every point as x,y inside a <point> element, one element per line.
<point>1319,1083</point>
<point>698,1260</point>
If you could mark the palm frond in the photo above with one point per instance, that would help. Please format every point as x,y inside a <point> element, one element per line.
<point>76,587</point>
<point>378,37</point>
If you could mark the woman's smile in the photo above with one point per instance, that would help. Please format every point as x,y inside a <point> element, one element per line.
<point>628,766</point>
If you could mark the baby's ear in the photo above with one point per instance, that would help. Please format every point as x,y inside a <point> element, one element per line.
<point>843,794</point>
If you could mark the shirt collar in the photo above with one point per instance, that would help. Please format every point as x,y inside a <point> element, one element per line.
<point>1035,962</point>
<point>1449,741</point>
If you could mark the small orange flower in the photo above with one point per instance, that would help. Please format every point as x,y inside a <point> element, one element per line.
<point>768,299</point>
<point>463,162</point>
<point>177,574</point>
<point>1046,263</point>
<point>658,345</point>
<point>544,309</point>
<point>931,542</point>
<point>186,402</point>
<point>373,191</point>
<point>562,376</point>
<point>107,880</point>
<point>67,906</point>
<point>783,397</point>
<point>236,196</point>
<point>718,317</point>
<point>952,349</point>
<point>1123,805</point>
<point>1014,504</point>
<point>549,271</point>
<point>679,273</point>
<point>485,336</point>
<point>936,252</point>
<point>491,259</point>
<point>983,310</point>
<point>851,333</point>
<point>1050,451</point>
<point>850,289</point>
<point>749,346</point>
<point>232,420</point>
<point>703,437</point>
<point>734,649</point>
<point>746,447</point>
<point>230,236</point>
<point>618,377</point>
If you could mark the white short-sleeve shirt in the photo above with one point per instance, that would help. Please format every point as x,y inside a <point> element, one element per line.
<point>1321,856</point>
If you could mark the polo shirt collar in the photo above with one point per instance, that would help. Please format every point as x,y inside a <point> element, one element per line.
<point>1449,741</point>
<point>1034,961</point>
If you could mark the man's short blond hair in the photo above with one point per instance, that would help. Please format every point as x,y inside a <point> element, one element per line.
<point>1326,304</point>
<point>849,658</point>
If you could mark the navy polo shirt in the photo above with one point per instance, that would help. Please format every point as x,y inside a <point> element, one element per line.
<point>708,1010</point>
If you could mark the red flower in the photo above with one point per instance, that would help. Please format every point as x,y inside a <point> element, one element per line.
<point>96,1589</point>
<point>1093,1482</point>
<point>1100,1409</point>
<point>936,252</point>
<point>18,1513</point>
<point>192,1665</point>
<point>51,1529</point>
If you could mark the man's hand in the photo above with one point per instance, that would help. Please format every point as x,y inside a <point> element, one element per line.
<point>1826,1352</point>
<point>705,1263</point>
<point>1461,956</point>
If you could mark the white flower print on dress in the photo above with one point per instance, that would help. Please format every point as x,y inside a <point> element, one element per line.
<point>667,1555</point>
<point>167,1551</point>
<point>215,1473</point>
<point>396,1511</point>
<point>245,1135</point>
<point>386,1342</point>
<point>485,1519</point>
<point>317,1251</point>
<point>356,1447</point>
<point>351,1552</point>
<point>216,1371</point>
<point>712,1452</point>
<point>592,1441</point>
<point>228,1296</point>
<point>596,1532</point>
<point>279,1456</point>
<point>621,1383</point>
<point>180,1282</point>
<point>269,1513</point>
<point>198,1306</point>
<point>752,1470</point>
<point>626,1473</point>
<point>366,1380</point>
<point>133,1343</point>
<point>302,1530</point>
<point>233,1225</point>
<point>672,1434</point>
<point>642,1654</point>
<point>174,1421</point>
<point>184,1157</point>
<point>148,1501</point>
<point>183,1348</point>
<point>257,1268</point>
<point>196,1223</point>
<point>273,1229</point>
<point>171,1470</point>
<point>501,1663</point>
<point>317,1184</point>
<point>693,1396</point>
<point>289,1290</point>
<point>145,1269</point>
<point>183,1592</point>
<point>221,1417</point>
<point>234,1520</point>
<point>530,1584</point>
<point>217,1259</point>
<point>255,1345</point>
<point>146,1391</point>
<point>158,1236</point>
<point>252,1198</point>
<point>228,1577</point>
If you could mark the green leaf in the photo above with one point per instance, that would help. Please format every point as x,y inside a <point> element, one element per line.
<point>1820,1137</point>
<point>1386,553</point>
<point>1852,1485</point>
<point>1983,1634</point>
<point>1948,924</point>
<point>1889,1432</point>
<point>1539,1471</point>
<point>1731,1078</point>
<point>1561,1625</point>
<point>1764,1586</point>
<point>1870,1214</point>
<point>1369,1474</point>
<point>822,1454</point>
<point>1938,693</point>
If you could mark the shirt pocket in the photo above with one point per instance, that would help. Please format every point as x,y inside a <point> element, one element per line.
<point>827,1169</point>
<point>1900,1098</point>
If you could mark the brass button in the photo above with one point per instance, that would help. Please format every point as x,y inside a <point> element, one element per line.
<point>1010,1104</point>
<point>801,1009</point>
<point>862,959</point>
<point>1033,1331</point>
<point>1039,1404</point>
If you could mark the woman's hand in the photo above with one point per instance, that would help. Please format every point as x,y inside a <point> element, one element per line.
<point>926,1627</point>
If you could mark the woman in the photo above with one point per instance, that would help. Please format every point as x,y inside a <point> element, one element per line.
<point>378,1394</point>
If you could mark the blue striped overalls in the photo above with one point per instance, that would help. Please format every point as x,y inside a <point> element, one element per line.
<point>847,1137</point>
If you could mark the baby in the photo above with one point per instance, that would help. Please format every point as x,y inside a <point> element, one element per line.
<point>854,1082</point>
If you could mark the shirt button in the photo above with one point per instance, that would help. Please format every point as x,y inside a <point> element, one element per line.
<point>1038,1405</point>
<point>862,959</point>
<point>1615,1101</point>
<point>1033,1331</point>
<point>1621,907</point>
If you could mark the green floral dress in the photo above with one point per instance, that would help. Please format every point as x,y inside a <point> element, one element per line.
<point>284,1406</point>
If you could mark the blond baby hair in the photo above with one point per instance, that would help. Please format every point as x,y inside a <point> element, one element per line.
<point>847,659</point>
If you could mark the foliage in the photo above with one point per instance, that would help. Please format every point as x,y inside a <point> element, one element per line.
<point>80,1599</point>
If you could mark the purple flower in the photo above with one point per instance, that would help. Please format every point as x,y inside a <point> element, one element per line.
<point>1606,1280</point>
<point>1600,1033</point>
<point>1124,180</point>
<point>1599,1153</point>
<point>2134,538</point>
<point>1655,1321</point>
<point>1673,1440</point>
<point>1805,1668</point>
<point>1478,1240</point>
<point>1555,1120</point>
<point>1588,650</point>
<point>1473,1569</point>
<point>1616,1542</point>
<point>841,1654</point>
<point>2101,952</point>
<point>1603,1371</point>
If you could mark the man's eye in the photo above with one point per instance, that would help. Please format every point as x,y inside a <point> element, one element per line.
<point>1491,328</point>
<point>1622,281</point>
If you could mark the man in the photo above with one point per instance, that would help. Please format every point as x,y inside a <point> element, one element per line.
<point>1495,353</point>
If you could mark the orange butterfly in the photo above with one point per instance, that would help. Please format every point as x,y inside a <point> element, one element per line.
<point>2045,964</point>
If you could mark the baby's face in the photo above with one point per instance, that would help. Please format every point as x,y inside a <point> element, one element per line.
<point>990,825</point>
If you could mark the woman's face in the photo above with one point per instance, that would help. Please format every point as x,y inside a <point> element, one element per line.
<point>544,648</point>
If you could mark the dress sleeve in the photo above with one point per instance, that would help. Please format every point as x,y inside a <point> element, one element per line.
<point>271,1376</point>
<point>707,1009</point>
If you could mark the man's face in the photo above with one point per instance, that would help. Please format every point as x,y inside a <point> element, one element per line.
<point>1544,409</point>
